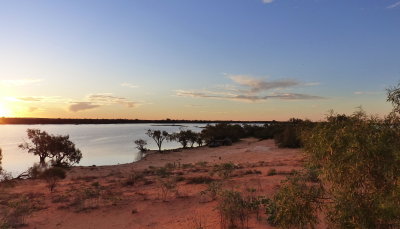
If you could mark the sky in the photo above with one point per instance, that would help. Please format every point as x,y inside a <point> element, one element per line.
<point>197,59</point>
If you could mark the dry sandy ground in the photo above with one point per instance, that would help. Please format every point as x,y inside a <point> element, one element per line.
<point>100,197</point>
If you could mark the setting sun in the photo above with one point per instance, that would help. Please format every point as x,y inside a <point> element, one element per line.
<point>4,112</point>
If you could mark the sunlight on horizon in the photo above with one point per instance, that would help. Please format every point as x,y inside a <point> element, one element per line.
<point>4,111</point>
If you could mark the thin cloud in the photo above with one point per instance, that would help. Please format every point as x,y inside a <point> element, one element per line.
<point>250,89</point>
<point>129,85</point>
<point>108,99</point>
<point>82,106</point>
<point>367,92</point>
<point>267,1</point>
<point>31,99</point>
<point>395,5</point>
<point>258,85</point>
<point>20,82</point>
<point>247,98</point>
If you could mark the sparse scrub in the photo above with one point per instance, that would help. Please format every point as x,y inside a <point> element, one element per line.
<point>224,170</point>
<point>271,172</point>
<point>166,187</point>
<point>213,189</point>
<point>199,180</point>
<point>134,178</point>
<point>52,177</point>
<point>233,210</point>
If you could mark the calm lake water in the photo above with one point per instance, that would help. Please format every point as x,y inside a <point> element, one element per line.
<point>100,144</point>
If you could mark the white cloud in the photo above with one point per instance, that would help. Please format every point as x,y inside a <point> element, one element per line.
<point>20,82</point>
<point>267,1</point>
<point>394,5</point>
<point>129,85</point>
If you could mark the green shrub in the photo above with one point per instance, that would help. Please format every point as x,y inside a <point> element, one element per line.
<point>295,205</point>
<point>233,210</point>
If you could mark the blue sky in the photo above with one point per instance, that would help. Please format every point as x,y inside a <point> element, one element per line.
<point>197,59</point>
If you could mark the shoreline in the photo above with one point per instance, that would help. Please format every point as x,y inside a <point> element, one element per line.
<point>123,199</point>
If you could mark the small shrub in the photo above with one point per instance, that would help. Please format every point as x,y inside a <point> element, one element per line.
<point>199,180</point>
<point>166,186</point>
<point>140,145</point>
<point>271,172</point>
<point>134,178</point>
<point>52,176</point>
<point>213,189</point>
<point>233,210</point>
<point>224,170</point>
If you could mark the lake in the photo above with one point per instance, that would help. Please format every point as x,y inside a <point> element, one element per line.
<point>107,144</point>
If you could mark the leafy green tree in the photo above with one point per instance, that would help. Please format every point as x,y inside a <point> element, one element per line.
<point>158,136</point>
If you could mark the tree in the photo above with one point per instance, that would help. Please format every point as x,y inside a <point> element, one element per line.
<point>58,148</point>
<point>158,136</point>
<point>63,151</point>
<point>140,145</point>
<point>38,145</point>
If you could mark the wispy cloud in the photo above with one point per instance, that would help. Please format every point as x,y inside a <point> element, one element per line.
<point>394,5</point>
<point>20,82</point>
<point>257,85</point>
<point>108,99</point>
<point>367,92</point>
<point>246,98</point>
<point>250,89</point>
<point>93,101</point>
<point>82,106</point>
<point>129,85</point>
<point>267,1</point>
<point>31,99</point>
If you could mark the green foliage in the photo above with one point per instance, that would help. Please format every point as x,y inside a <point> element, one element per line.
<point>222,131</point>
<point>233,209</point>
<point>295,205</point>
<point>359,157</point>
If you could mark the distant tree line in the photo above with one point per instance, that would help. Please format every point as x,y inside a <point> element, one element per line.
<point>286,134</point>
